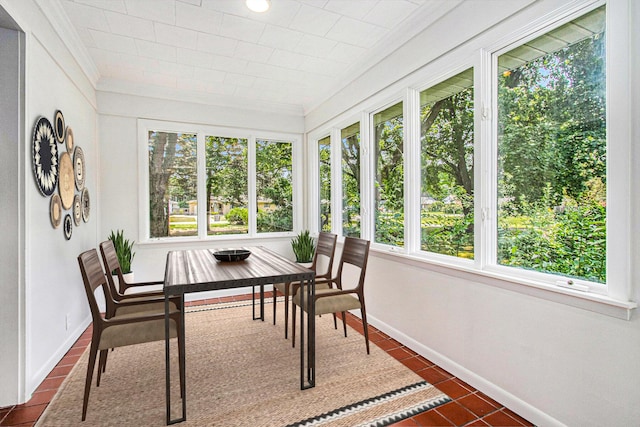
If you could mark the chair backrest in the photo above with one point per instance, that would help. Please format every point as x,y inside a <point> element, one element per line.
<point>323,257</point>
<point>112,265</point>
<point>93,277</point>
<point>355,252</point>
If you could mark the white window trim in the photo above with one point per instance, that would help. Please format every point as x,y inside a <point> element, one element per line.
<point>146,125</point>
<point>612,299</point>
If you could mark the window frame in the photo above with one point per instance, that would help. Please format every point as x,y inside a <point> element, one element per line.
<point>612,298</point>
<point>201,131</point>
<point>490,167</point>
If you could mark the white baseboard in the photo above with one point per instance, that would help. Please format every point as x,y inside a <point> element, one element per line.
<point>507,399</point>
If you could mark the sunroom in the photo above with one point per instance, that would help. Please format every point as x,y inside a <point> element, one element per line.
<point>485,148</point>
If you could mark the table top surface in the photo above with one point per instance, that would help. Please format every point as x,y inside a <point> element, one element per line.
<point>198,270</point>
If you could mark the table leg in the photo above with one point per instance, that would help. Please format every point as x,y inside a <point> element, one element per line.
<point>181,358</point>
<point>253,302</point>
<point>311,337</point>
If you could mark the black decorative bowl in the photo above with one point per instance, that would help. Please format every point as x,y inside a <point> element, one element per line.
<point>232,255</point>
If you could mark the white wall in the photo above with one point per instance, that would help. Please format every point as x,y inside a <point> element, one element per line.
<point>552,363</point>
<point>52,285</point>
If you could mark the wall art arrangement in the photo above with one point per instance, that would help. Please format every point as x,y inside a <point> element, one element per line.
<point>58,163</point>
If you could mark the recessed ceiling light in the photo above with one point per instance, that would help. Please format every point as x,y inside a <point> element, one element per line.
<point>258,5</point>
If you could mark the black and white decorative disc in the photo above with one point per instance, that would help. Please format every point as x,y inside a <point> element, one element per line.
<point>79,168</point>
<point>45,157</point>
<point>77,210</point>
<point>68,226</point>
<point>86,204</point>
<point>59,127</point>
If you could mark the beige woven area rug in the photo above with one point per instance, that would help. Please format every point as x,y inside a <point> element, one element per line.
<point>242,372</point>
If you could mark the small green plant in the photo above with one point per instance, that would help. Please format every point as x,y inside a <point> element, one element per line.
<point>123,250</point>
<point>303,246</point>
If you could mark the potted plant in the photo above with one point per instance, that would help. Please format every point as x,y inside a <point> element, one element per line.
<point>303,247</point>
<point>124,251</point>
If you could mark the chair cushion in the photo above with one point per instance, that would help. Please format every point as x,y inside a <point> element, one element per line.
<point>138,308</point>
<point>331,304</point>
<point>144,289</point>
<point>135,333</point>
<point>281,286</point>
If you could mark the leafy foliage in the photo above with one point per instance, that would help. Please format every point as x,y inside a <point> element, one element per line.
<point>123,250</point>
<point>552,163</point>
<point>238,216</point>
<point>274,170</point>
<point>351,181</point>
<point>303,246</point>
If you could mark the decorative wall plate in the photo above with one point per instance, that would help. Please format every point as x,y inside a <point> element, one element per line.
<point>55,210</point>
<point>45,157</point>
<point>66,182</point>
<point>69,140</point>
<point>86,204</point>
<point>59,127</point>
<point>79,168</point>
<point>77,210</point>
<point>68,226</point>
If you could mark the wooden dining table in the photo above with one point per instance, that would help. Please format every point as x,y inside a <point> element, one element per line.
<point>198,270</point>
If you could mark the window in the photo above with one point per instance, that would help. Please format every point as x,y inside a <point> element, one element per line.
<point>517,162</point>
<point>226,185</point>
<point>274,170</point>
<point>324,159</point>
<point>173,178</point>
<point>446,153</point>
<point>350,137</point>
<point>205,182</point>
<point>552,149</point>
<point>388,139</point>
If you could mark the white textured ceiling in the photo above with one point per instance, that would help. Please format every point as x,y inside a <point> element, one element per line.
<point>293,56</point>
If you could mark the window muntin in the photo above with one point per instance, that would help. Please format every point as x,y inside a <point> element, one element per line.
<point>274,189</point>
<point>226,161</point>
<point>172,184</point>
<point>446,155</point>
<point>350,159</point>
<point>324,167</point>
<point>552,152</point>
<point>388,137</point>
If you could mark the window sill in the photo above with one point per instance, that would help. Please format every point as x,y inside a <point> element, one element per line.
<point>591,301</point>
<point>218,240</point>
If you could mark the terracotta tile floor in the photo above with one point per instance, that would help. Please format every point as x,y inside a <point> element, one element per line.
<point>469,407</point>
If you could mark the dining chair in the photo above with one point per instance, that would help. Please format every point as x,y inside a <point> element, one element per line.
<point>322,264</point>
<point>353,263</point>
<point>112,265</point>
<point>120,329</point>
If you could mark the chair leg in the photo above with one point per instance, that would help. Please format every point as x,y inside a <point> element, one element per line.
<point>87,384</point>
<point>102,363</point>
<point>365,326</point>
<point>335,321</point>
<point>344,323</point>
